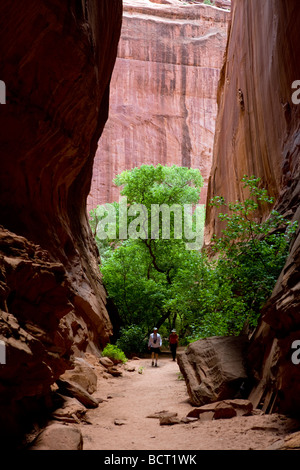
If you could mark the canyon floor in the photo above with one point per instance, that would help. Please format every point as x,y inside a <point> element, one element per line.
<point>121,421</point>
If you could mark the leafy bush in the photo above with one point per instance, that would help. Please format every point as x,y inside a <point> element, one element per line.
<point>250,255</point>
<point>113,352</point>
<point>132,340</point>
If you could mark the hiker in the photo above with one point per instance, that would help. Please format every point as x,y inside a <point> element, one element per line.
<point>173,342</point>
<point>154,345</point>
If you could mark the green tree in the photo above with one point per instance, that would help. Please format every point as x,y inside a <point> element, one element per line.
<point>139,272</point>
<point>157,280</point>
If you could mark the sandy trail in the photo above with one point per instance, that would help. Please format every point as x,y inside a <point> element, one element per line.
<point>121,422</point>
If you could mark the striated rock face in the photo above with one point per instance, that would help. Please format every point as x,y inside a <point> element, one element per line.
<point>258,132</point>
<point>56,61</point>
<point>214,368</point>
<point>257,123</point>
<point>164,88</point>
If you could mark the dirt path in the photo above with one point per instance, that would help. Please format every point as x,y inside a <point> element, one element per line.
<point>121,423</point>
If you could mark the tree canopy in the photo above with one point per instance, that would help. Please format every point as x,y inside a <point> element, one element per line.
<point>162,277</point>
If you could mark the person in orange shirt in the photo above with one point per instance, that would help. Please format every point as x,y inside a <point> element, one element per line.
<point>173,342</point>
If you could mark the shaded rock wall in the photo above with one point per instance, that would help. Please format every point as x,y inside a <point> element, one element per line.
<point>258,132</point>
<point>56,60</point>
<point>164,88</point>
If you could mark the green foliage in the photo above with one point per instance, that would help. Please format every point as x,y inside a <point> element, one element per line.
<point>159,282</point>
<point>250,255</point>
<point>139,273</point>
<point>113,352</point>
<point>160,185</point>
<point>252,252</point>
<point>137,289</point>
<point>132,340</point>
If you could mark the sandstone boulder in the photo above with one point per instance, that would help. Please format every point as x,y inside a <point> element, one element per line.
<point>82,374</point>
<point>106,362</point>
<point>70,410</point>
<point>213,368</point>
<point>58,437</point>
<point>74,390</point>
<point>114,371</point>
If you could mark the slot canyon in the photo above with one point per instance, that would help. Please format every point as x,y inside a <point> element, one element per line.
<point>97,87</point>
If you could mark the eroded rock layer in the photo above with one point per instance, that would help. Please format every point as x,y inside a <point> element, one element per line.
<point>164,88</point>
<point>56,61</point>
<point>258,133</point>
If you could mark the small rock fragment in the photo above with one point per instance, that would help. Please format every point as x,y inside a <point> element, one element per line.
<point>119,422</point>
<point>169,420</point>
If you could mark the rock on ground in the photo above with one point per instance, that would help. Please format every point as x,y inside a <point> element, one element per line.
<point>74,390</point>
<point>213,368</point>
<point>70,410</point>
<point>58,437</point>
<point>82,374</point>
<point>291,442</point>
<point>222,409</point>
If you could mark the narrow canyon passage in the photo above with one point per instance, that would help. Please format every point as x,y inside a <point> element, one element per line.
<point>121,422</point>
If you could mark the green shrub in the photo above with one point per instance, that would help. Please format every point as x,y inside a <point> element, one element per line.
<point>132,340</point>
<point>113,352</point>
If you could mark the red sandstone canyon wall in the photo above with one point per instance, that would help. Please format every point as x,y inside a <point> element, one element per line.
<point>257,121</point>
<point>56,61</point>
<point>163,93</point>
<point>257,133</point>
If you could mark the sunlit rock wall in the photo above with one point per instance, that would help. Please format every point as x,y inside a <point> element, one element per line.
<point>163,95</point>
